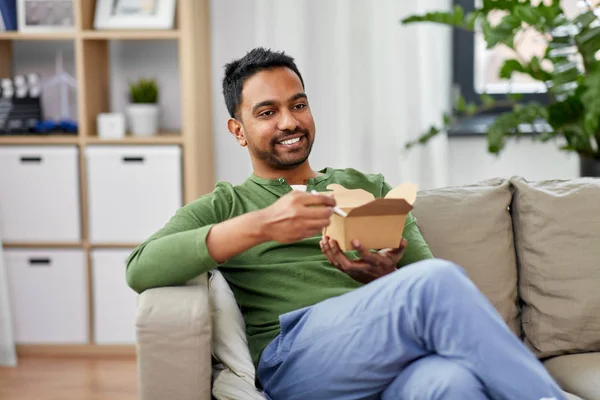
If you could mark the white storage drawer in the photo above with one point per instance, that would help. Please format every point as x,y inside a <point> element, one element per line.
<point>132,191</point>
<point>48,295</point>
<point>39,194</point>
<point>114,301</point>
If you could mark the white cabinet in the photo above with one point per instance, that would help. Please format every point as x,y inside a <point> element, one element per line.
<point>132,191</point>
<point>39,194</point>
<point>114,301</point>
<point>48,295</point>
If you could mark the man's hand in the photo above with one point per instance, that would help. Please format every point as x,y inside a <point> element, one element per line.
<point>370,266</point>
<point>295,216</point>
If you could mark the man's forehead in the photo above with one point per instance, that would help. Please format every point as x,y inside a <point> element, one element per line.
<point>272,84</point>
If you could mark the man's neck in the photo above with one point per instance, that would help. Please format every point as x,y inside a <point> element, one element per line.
<point>295,176</point>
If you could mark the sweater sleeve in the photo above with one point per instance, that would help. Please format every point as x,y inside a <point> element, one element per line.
<point>416,249</point>
<point>178,252</point>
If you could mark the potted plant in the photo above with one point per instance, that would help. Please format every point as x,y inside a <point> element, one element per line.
<point>143,109</point>
<point>569,69</point>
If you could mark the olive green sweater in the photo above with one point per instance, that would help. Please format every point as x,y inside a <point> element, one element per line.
<point>269,279</point>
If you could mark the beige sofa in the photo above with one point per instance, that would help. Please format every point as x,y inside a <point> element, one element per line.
<point>532,248</point>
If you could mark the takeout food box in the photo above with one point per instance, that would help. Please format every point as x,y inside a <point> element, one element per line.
<point>375,223</point>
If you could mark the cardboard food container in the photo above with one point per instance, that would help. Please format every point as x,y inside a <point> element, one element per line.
<point>375,223</point>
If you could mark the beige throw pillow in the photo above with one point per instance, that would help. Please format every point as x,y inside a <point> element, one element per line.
<point>471,226</point>
<point>557,228</point>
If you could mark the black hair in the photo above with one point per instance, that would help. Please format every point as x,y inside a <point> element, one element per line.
<point>256,60</point>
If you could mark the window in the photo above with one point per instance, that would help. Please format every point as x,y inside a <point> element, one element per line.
<point>530,43</point>
<point>475,68</point>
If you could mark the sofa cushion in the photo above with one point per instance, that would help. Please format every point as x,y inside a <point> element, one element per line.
<point>570,396</point>
<point>578,374</point>
<point>557,231</point>
<point>471,226</point>
<point>234,379</point>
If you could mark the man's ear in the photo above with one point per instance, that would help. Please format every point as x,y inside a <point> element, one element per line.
<point>237,129</point>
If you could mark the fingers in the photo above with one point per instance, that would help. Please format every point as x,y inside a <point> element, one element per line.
<point>366,255</point>
<point>340,259</point>
<point>322,213</point>
<point>311,199</point>
<point>326,249</point>
<point>332,252</point>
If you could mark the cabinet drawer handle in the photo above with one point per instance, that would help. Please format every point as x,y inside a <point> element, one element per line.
<point>35,262</point>
<point>31,159</point>
<point>133,159</point>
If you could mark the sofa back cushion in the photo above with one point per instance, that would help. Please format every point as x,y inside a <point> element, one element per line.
<point>557,230</point>
<point>471,226</point>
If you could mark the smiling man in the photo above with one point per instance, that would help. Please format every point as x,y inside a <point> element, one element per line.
<point>322,323</point>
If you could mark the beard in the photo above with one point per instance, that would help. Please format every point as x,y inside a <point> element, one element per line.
<point>277,157</point>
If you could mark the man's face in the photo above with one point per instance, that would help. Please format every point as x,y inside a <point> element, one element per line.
<point>277,124</point>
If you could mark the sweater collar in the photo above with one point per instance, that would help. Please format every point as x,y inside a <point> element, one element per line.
<point>326,173</point>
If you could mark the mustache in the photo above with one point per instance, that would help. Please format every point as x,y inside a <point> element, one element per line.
<point>287,133</point>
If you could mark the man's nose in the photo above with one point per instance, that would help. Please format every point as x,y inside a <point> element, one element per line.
<point>287,122</point>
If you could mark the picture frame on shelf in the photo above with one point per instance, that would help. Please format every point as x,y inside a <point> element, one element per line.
<point>45,15</point>
<point>134,14</point>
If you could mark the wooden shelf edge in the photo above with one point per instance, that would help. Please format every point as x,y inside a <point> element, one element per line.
<point>75,350</point>
<point>16,245</point>
<point>15,35</point>
<point>161,138</point>
<point>131,35</point>
<point>94,35</point>
<point>39,139</point>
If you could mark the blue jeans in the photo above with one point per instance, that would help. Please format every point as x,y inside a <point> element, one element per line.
<point>422,332</point>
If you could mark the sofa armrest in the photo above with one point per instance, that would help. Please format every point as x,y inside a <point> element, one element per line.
<point>173,328</point>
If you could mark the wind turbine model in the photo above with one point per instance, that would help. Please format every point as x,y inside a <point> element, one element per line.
<point>64,81</point>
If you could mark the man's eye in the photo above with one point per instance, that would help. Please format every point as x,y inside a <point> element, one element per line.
<point>266,113</point>
<point>300,106</point>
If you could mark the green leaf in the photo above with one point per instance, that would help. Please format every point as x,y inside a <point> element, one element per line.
<point>459,15</point>
<point>472,109</point>
<point>509,67</point>
<point>590,98</point>
<point>565,112</point>
<point>471,20</point>
<point>447,118</point>
<point>461,104</point>
<point>491,5</point>
<point>431,133</point>
<point>536,71</point>
<point>487,100</point>
<point>588,43</point>
<point>508,123</point>
<point>504,32</point>
<point>454,18</point>
<point>528,14</point>
<point>515,96</point>
<point>591,123</point>
<point>585,19</point>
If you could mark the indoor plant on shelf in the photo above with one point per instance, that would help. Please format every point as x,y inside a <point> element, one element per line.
<point>143,108</point>
<point>569,69</point>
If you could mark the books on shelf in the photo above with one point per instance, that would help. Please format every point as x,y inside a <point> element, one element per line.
<point>8,15</point>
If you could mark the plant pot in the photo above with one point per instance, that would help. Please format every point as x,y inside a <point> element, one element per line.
<point>143,119</point>
<point>589,167</point>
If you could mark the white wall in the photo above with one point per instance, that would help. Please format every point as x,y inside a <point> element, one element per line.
<point>469,161</point>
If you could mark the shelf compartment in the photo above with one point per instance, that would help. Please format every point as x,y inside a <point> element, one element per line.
<point>131,35</point>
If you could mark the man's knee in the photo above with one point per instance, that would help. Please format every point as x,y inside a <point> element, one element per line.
<point>438,270</point>
<point>456,382</point>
